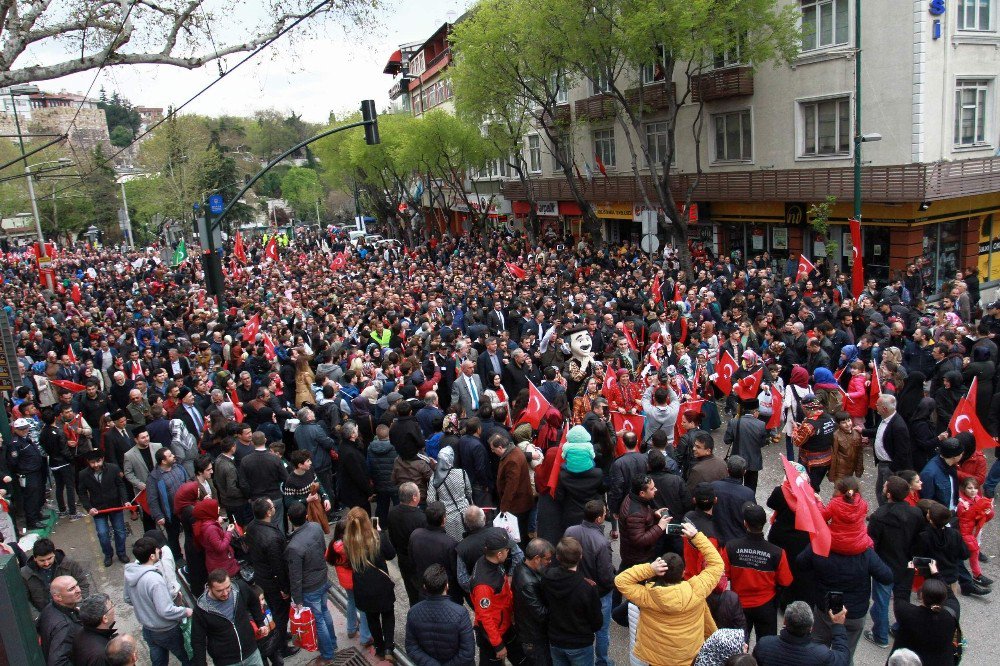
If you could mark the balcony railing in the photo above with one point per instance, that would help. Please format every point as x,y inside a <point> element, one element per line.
<point>722,83</point>
<point>561,116</point>
<point>596,107</point>
<point>655,96</point>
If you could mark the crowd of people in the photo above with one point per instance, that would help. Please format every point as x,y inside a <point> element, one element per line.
<point>492,415</point>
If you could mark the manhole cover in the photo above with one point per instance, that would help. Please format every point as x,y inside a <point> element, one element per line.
<point>350,657</point>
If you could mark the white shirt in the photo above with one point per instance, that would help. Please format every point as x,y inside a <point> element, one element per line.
<point>880,453</point>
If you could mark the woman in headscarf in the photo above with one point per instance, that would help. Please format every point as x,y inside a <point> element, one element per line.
<point>361,414</point>
<point>720,646</point>
<point>848,355</point>
<point>828,390</point>
<point>185,499</point>
<point>797,388</point>
<point>451,486</point>
<point>910,394</point>
<point>793,541</point>
<point>215,541</point>
<point>923,433</point>
<point>184,445</point>
<point>947,398</point>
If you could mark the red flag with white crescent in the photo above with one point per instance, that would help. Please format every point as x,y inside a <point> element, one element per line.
<point>693,406</point>
<point>68,385</point>
<point>748,387</point>
<point>237,410</point>
<point>875,390</point>
<point>537,406</point>
<point>70,354</point>
<point>657,292</point>
<point>238,250</point>
<point>629,423</point>
<point>610,382</point>
<point>339,262</point>
<point>252,328</point>
<point>858,268</point>
<point>516,271</point>
<point>269,352</point>
<point>630,339</point>
<point>553,479</point>
<point>777,406</point>
<point>965,419</point>
<point>805,268</point>
<point>271,250</point>
<point>75,293</point>
<point>808,517</point>
<point>725,370</point>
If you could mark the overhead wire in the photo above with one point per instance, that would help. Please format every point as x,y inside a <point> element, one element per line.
<point>174,111</point>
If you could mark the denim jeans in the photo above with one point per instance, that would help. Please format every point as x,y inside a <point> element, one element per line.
<point>881,596</point>
<point>253,660</point>
<point>572,656</point>
<point>105,524</point>
<point>316,601</point>
<point>603,637</point>
<point>164,643</point>
<point>355,618</point>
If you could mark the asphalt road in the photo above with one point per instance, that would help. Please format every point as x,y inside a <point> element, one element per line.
<point>79,541</point>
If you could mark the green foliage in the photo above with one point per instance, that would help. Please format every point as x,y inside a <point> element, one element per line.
<point>119,113</point>
<point>121,137</point>
<point>103,192</point>
<point>819,220</point>
<point>301,188</point>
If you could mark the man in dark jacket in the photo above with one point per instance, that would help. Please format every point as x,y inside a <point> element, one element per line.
<point>470,549</point>
<point>706,466</point>
<point>310,436</point>
<point>431,545</point>
<point>624,469</point>
<point>221,625</point>
<point>894,527</point>
<point>596,566</point>
<point>794,645</point>
<point>939,477</point>
<point>731,495</point>
<point>578,608</point>
<point>641,525</point>
<point>404,519</point>
<point>438,631</point>
<point>266,545</point>
<point>161,486</point>
<point>405,433</point>
<point>890,442</point>
<point>46,564</point>
<point>61,462</point>
<point>58,624</point>
<point>850,575</point>
<point>530,612</point>
<point>746,436</point>
<point>97,616</point>
<point>264,473</point>
<point>307,575</point>
<point>102,486</point>
<point>471,455</point>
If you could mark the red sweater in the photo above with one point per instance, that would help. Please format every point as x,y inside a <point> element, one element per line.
<point>847,525</point>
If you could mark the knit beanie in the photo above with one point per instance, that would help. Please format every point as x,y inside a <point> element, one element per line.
<point>578,451</point>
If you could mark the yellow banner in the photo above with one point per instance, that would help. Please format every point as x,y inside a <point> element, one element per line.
<point>619,210</point>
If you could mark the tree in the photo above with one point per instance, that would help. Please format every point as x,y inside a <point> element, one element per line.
<point>87,34</point>
<point>121,136</point>
<point>177,154</point>
<point>301,188</point>
<point>120,116</point>
<point>102,190</point>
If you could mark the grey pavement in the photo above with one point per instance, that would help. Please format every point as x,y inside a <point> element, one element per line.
<point>79,541</point>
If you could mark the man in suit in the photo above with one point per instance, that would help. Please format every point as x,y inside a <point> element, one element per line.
<point>139,462</point>
<point>890,442</point>
<point>492,360</point>
<point>496,320</point>
<point>177,364</point>
<point>118,439</point>
<point>446,366</point>
<point>189,414</point>
<point>468,389</point>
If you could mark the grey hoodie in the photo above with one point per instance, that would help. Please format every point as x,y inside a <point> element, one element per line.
<point>659,417</point>
<point>147,593</point>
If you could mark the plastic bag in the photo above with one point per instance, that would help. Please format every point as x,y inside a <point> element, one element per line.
<point>302,626</point>
<point>508,523</point>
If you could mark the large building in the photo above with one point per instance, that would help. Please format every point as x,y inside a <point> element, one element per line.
<point>780,138</point>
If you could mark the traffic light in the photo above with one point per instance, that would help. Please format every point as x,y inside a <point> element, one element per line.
<point>370,117</point>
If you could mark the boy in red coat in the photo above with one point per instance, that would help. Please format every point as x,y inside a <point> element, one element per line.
<point>974,511</point>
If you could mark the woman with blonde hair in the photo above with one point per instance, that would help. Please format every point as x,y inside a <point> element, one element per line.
<point>367,549</point>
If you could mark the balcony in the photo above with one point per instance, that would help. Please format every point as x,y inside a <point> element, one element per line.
<point>722,83</point>
<point>882,184</point>
<point>560,118</point>
<point>655,96</point>
<point>399,87</point>
<point>597,107</point>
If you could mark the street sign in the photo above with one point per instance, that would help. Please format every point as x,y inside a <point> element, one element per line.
<point>215,204</point>
<point>10,375</point>
<point>649,243</point>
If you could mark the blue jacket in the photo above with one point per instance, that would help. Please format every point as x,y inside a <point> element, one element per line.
<point>439,633</point>
<point>850,574</point>
<point>727,516</point>
<point>788,650</point>
<point>940,483</point>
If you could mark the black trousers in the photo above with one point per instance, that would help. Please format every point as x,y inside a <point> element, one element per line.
<point>383,628</point>
<point>816,476</point>
<point>329,481</point>
<point>33,496</point>
<point>279,611</point>
<point>750,480</point>
<point>488,653</point>
<point>763,620</point>
<point>65,488</point>
<point>173,528</point>
<point>411,580</point>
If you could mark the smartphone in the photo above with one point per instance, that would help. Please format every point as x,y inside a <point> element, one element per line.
<point>835,601</point>
<point>676,529</point>
<point>922,565</point>
<point>375,523</point>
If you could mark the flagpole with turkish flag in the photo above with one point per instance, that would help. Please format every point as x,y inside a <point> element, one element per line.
<point>537,407</point>
<point>777,407</point>
<point>875,390</point>
<point>858,267</point>
<point>965,419</point>
<point>518,272</point>
<point>808,517</point>
<point>724,372</point>
<point>805,267</point>
<point>633,423</point>
<point>271,249</point>
<point>238,250</point>
<point>252,328</point>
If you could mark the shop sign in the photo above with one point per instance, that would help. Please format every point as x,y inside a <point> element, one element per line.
<point>779,238</point>
<point>547,209</point>
<point>614,210</point>
<point>479,205</point>
<point>640,209</point>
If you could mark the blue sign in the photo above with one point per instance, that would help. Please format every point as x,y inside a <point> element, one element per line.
<point>215,204</point>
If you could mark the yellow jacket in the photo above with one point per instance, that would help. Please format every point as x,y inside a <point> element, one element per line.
<point>674,620</point>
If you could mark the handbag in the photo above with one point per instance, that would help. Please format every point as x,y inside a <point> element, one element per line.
<point>508,523</point>
<point>958,639</point>
<point>302,627</point>
<point>186,632</point>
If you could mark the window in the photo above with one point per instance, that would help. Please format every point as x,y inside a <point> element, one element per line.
<point>733,136</point>
<point>602,81</point>
<point>534,153</point>
<point>970,112</point>
<point>824,23</point>
<point>558,83</point>
<point>826,127</point>
<point>417,105</point>
<point>565,150</point>
<point>655,71</point>
<point>604,146</point>
<point>660,143</point>
<point>733,55</point>
<point>974,15</point>
<point>418,64</point>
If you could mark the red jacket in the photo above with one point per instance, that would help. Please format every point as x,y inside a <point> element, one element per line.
<point>492,600</point>
<point>215,541</point>
<point>856,403</point>
<point>975,467</point>
<point>847,525</point>
<point>973,514</point>
<point>337,558</point>
<point>756,569</point>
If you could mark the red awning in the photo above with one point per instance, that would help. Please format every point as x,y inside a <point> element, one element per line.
<point>520,207</point>
<point>569,208</point>
<point>395,60</point>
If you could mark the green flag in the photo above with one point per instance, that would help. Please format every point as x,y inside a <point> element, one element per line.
<point>180,254</point>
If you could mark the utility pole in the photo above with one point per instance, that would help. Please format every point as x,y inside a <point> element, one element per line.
<point>858,138</point>
<point>127,219</point>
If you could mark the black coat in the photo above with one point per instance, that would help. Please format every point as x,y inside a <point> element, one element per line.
<point>403,519</point>
<point>374,590</point>
<point>89,646</point>
<point>579,613</point>
<point>727,516</point>
<point>108,493</point>
<point>897,443</point>
<point>266,552</point>
<point>432,545</point>
<point>531,615</point>
<point>439,633</point>
<point>928,633</point>
<point>788,650</point>
<point>895,528</point>
<point>850,574</point>
<point>353,485</point>
<point>226,642</point>
<point>574,491</point>
<point>57,628</point>
<point>406,436</point>
<point>264,473</point>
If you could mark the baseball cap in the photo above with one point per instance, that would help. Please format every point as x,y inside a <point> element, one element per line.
<point>21,423</point>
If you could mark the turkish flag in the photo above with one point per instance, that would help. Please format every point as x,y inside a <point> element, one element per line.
<point>748,387</point>
<point>971,393</point>
<point>693,406</point>
<point>725,369</point>
<point>516,271</point>
<point>553,479</point>
<point>537,406</point>
<point>238,250</point>
<point>657,292</point>
<point>252,328</point>
<point>201,298</point>
<point>237,410</point>
<point>75,293</point>
<point>808,517</point>
<point>71,354</point>
<point>610,382</point>
<point>271,250</point>
<point>777,405</point>
<point>339,262</point>
<point>858,268</point>
<point>269,352</point>
<point>600,166</point>
<point>68,385</point>
<point>142,501</point>
<point>875,390</point>
<point>630,339</point>
<point>805,268</point>
<point>628,423</point>
<point>837,375</point>
<point>965,420</point>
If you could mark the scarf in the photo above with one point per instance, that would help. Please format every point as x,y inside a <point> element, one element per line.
<point>445,462</point>
<point>800,376</point>
<point>719,647</point>
<point>206,511</point>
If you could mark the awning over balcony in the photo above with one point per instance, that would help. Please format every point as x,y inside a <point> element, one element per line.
<point>395,61</point>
